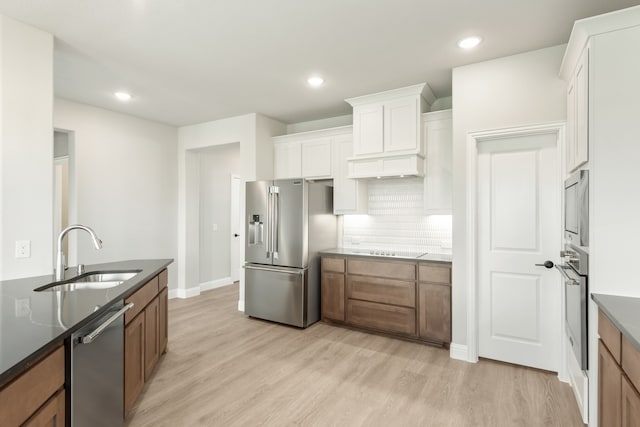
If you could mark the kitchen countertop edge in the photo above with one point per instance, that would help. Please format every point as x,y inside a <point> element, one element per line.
<point>137,282</point>
<point>436,258</point>
<point>623,313</point>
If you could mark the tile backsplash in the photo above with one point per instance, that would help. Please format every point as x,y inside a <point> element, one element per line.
<point>396,220</point>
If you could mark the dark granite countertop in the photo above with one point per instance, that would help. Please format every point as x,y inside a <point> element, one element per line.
<point>33,323</point>
<point>401,256</point>
<point>624,312</point>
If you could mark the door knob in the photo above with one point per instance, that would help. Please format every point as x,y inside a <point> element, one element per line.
<point>547,264</point>
<point>236,235</point>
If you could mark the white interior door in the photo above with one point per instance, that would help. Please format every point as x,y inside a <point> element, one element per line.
<point>519,210</point>
<point>236,224</point>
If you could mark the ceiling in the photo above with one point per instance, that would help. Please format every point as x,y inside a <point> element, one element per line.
<point>191,61</point>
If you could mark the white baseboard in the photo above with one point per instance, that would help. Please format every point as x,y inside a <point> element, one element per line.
<point>459,352</point>
<point>241,306</point>
<point>196,290</point>
<point>213,284</point>
<point>189,292</point>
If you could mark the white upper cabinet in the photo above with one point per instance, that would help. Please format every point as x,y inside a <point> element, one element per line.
<point>322,154</point>
<point>402,125</point>
<point>302,156</point>
<point>316,158</point>
<point>287,160</point>
<point>578,114</point>
<point>368,129</point>
<point>387,137</point>
<point>438,138</point>
<point>349,195</point>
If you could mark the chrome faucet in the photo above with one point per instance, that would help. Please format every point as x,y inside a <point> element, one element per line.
<point>60,258</point>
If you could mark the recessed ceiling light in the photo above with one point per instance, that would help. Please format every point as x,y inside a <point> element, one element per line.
<point>315,81</point>
<point>122,96</point>
<point>469,42</point>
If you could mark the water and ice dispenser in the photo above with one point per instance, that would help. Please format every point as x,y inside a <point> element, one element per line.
<point>256,230</point>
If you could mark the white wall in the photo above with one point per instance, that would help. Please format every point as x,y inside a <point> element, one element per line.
<point>217,164</point>
<point>253,132</point>
<point>518,90</point>
<point>126,183</point>
<point>26,148</point>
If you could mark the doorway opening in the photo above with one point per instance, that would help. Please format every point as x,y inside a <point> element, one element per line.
<point>219,210</point>
<point>64,194</point>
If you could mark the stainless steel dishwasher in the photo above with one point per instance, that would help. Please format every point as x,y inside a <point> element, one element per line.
<point>97,371</point>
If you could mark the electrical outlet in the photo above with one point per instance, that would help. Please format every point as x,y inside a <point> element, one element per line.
<point>23,248</point>
<point>214,227</point>
<point>22,307</point>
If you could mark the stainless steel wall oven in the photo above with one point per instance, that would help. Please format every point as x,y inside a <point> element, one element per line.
<point>575,274</point>
<point>576,208</point>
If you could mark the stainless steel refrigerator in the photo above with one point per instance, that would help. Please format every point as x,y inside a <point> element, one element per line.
<point>288,222</point>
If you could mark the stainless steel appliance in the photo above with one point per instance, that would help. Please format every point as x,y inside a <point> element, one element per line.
<point>575,273</point>
<point>576,208</point>
<point>288,222</point>
<point>97,371</point>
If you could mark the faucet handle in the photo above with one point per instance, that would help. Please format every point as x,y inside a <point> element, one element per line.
<point>80,269</point>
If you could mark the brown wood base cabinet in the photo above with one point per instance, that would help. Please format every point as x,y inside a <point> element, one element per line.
<point>37,397</point>
<point>402,298</point>
<point>618,377</point>
<point>145,336</point>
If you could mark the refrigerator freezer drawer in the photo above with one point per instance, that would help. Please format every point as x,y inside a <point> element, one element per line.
<point>277,294</point>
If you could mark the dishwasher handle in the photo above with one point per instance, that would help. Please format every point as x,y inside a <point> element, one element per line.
<point>89,338</point>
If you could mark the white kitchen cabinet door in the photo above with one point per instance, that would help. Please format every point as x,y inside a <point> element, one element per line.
<point>570,157</point>
<point>349,195</point>
<point>287,158</point>
<point>316,158</point>
<point>368,129</point>
<point>582,110</point>
<point>578,115</point>
<point>402,125</point>
<point>438,187</point>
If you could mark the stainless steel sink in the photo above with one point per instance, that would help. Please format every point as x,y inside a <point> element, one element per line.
<point>93,280</point>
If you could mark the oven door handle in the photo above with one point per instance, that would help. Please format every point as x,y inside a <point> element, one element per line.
<point>568,280</point>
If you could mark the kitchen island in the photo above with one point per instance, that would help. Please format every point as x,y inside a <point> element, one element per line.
<point>405,295</point>
<point>36,326</point>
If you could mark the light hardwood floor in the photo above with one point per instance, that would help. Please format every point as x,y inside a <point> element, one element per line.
<point>225,369</point>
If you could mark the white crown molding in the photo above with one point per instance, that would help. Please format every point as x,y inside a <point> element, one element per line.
<point>421,89</point>
<point>586,28</point>
<point>314,134</point>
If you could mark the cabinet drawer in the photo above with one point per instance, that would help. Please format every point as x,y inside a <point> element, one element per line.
<point>392,270</point>
<point>610,335</point>
<point>631,362</point>
<point>333,264</point>
<point>141,298</point>
<point>21,398</point>
<point>434,273</point>
<point>386,291</point>
<point>163,279</point>
<point>389,318</point>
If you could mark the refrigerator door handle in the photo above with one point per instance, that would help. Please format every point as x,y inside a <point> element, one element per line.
<point>276,222</point>
<point>268,239</point>
<point>290,270</point>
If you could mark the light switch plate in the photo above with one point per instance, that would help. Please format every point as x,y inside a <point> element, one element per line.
<point>23,248</point>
